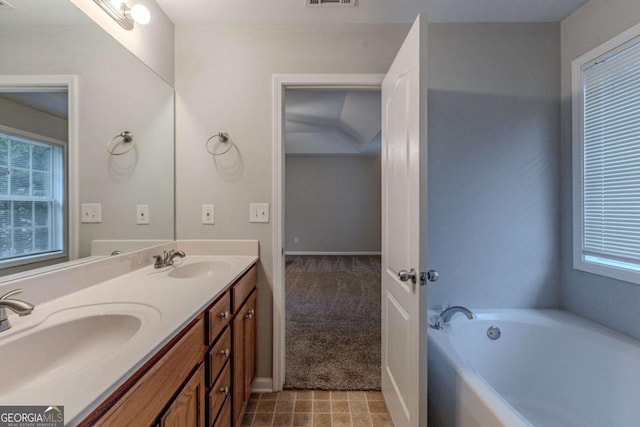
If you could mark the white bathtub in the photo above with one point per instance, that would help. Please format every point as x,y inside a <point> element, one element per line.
<point>548,369</point>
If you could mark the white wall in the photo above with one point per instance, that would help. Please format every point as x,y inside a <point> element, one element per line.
<point>19,116</point>
<point>152,43</point>
<point>333,204</point>
<point>494,164</point>
<point>224,81</point>
<point>613,303</point>
<point>117,92</point>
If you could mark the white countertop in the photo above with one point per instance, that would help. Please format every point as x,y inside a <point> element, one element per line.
<point>165,305</point>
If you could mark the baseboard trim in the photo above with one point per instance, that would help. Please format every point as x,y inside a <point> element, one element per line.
<point>331,253</point>
<point>262,385</point>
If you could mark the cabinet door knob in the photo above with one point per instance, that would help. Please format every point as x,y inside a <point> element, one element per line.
<point>225,353</point>
<point>224,315</point>
<point>250,314</point>
<point>224,390</point>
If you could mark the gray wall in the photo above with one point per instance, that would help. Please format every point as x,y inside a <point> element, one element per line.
<point>494,164</point>
<point>224,81</point>
<point>608,301</point>
<point>333,204</point>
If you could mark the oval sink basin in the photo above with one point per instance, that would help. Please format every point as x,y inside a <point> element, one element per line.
<point>199,269</point>
<point>57,348</point>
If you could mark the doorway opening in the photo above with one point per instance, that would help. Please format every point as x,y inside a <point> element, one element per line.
<point>332,238</point>
<point>303,260</point>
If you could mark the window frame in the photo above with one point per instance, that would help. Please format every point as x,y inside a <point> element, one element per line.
<point>611,47</point>
<point>69,82</point>
<point>63,254</point>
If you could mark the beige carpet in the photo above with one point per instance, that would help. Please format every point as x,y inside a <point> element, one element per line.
<point>332,322</point>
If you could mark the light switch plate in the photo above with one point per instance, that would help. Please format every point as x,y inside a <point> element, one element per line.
<point>142,214</point>
<point>259,212</point>
<point>208,214</point>
<point>91,212</point>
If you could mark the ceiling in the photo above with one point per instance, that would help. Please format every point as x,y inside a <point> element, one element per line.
<point>53,102</point>
<point>332,122</point>
<point>295,12</point>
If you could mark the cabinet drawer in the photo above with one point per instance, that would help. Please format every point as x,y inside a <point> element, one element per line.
<point>219,392</point>
<point>224,418</point>
<point>142,404</point>
<point>243,288</point>
<point>218,356</point>
<point>219,316</point>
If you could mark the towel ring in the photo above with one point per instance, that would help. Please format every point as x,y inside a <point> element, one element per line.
<point>127,137</point>
<point>222,137</point>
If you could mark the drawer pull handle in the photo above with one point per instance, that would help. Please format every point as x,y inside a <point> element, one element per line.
<point>224,390</point>
<point>250,314</point>
<point>224,315</point>
<point>225,353</point>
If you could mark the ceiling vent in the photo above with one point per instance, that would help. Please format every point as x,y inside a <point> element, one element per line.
<point>4,4</point>
<point>327,3</point>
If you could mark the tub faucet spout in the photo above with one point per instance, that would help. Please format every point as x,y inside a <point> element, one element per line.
<point>438,321</point>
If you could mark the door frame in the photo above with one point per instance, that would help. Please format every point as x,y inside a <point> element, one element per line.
<point>280,83</point>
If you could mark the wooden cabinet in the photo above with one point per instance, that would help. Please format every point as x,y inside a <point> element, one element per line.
<point>244,356</point>
<point>203,377</point>
<point>187,409</point>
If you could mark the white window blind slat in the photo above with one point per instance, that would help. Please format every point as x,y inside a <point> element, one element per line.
<point>611,157</point>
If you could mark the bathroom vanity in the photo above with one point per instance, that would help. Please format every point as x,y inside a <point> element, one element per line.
<point>135,345</point>
<point>202,377</point>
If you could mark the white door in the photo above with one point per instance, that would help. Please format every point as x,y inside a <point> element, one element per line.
<point>404,195</point>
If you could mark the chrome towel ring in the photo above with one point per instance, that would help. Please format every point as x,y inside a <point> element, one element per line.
<point>223,137</point>
<point>127,137</point>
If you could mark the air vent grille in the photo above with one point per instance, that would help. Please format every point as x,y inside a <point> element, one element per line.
<point>328,3</point>
<point>4,4</point>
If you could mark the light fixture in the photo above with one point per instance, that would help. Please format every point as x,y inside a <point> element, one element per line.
<point>124,14</point>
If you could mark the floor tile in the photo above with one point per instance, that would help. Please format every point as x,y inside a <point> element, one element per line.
<point>374,395</point>
<point>303,406</point>
<point>282,420</point>
<point>304,395</point>
<point>247,420</point>
<point>341,420</point>
<point>358,407</point>
<point>321,395</point>
<point>339,395</point>
<point>287,395</point>
<point>266,405</point>
<point>339,406</point>
<point>284,406</point>
<point>357,395</point>
<point>376,406</point>
<point>361,420</point>
<point>322,420</point>
<point>321,406</point>
<point>381,420</point>
<point>269,396</point>
<point>263,419</point>
<point>302,420</point>
<point>252,405</point>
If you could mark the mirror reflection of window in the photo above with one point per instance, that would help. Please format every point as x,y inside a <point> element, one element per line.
<point>33,190</point>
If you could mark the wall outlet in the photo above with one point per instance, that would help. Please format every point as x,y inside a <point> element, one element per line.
<point>142,214</point>
<point>91,212</point>
<point>259,212</point>
<point>208,214</point>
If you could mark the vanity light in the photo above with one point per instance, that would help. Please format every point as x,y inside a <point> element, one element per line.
<point>124,14</point>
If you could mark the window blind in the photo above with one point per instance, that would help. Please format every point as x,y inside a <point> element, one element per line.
<point>611,169</point>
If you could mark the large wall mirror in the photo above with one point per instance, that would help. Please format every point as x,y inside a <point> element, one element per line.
<point>67,88</point>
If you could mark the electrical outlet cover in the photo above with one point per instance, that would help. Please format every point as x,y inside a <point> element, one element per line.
<point>208,214</point>
<point>259,212</point>
<point>142,214</point>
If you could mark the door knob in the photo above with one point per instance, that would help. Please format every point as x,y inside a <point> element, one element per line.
<point>405,275</point>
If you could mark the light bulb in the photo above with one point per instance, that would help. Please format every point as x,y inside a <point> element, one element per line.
<point>140,14</point>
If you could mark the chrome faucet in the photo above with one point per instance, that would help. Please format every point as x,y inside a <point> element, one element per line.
<point>438,321</point>
<point>21,308</point>
<point>166,259</point>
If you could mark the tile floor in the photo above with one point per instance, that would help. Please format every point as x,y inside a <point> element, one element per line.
<point>317,409</point>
